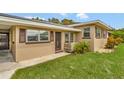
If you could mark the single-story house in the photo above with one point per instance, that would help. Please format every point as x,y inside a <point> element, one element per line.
<point>27,38</point>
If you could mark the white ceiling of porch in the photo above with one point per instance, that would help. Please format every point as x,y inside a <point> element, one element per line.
<point>4,26</point>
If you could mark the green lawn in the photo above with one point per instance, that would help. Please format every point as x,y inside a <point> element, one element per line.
<point>85,66</point>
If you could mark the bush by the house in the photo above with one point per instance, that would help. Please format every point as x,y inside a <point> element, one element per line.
<point>117,34</point>
<point>118,40</point>
<point>111,42</point>
<point>81,47</point>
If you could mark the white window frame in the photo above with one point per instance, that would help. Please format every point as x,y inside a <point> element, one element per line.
<point>69,37</point>
<point>89,32</point>
<point>38,36</point>
<point>105,34</point>
<point>100,32</point>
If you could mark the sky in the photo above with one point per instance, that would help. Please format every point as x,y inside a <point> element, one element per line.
<point>115,20</point>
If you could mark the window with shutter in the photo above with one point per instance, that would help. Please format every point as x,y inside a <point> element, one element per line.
<point>22,36</point>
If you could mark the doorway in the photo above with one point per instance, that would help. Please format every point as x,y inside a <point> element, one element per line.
<point>4,41</point>
<point>57,41</point>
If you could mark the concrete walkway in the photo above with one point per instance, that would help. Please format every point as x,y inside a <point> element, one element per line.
<point>5,56</point>
<point>7,69</point>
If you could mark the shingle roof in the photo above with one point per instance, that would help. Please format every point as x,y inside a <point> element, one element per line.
<point>45,22</point>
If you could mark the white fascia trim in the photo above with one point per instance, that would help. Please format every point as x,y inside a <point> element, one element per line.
<point>31,23</point>
<point>86,23</point>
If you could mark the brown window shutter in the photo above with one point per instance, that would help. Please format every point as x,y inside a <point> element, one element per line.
<point>22,36</point>
<point>51,36</point>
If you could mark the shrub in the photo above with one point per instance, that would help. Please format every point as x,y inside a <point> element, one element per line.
<point>117,34</point>
<point>118,40</point>
<point>110,43</point>
<point>81,47</point>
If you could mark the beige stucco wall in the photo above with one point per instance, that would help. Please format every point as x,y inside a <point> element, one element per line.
<point>99,44</point>
<point>25,51</point>
<point>12,41</point>
<point>95,44</point>
<point>92,35</point>
<point>78,36</point>
<point>30,51</point>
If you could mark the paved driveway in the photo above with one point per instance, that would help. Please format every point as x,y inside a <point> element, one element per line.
<point>8,68</point>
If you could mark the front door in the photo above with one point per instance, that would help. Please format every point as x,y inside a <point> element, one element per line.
<point>4,41</point>
<point>58,41</point>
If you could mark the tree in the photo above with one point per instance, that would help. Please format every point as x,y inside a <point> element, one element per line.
<point>54,20</point>
<point>37,19</point>
<point>67,21</point>
<point>64,21</point>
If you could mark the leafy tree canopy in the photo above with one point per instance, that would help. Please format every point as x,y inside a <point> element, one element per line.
<point>54,20</point>
<point>64,21</point>
<point>37,19</point>
<point>67,21</point>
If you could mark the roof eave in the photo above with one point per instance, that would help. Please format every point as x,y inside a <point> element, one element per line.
<point>92,22</point>
<point>28,22</point>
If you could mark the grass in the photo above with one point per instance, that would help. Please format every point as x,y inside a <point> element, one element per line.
<point>81,66</point>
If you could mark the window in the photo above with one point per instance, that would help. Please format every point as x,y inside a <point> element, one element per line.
<point>104,34</point>
<point>32,35</point>
<point>98,33</point>
<point>36,35</point>
<point>67,37</point>
<point>43,35</point>
<point>87,32</point>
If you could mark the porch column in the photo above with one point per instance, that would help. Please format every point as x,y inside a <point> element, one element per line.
<point>93,38</point>
<point>63,40</point>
